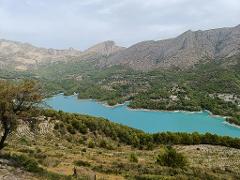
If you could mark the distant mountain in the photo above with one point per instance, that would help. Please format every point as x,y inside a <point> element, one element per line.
<point>106,48</point>
<point>22,56</point>
<point>183,51</point>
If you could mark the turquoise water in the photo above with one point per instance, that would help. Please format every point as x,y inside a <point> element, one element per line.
<point>149,121</point>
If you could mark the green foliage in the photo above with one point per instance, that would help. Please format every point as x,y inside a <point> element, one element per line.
<point>17,100</point>
<point>133,158</point>
<point>171,158</point>
<point>27,163</point>
<point>79,126</point>
<point>24,141</point>
<point>70,129</point>
<point>103,143</point>
<point>91,144</point>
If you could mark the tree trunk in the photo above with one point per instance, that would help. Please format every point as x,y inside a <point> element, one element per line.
<point>4,137</point>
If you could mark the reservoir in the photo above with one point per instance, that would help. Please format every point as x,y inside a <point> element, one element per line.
<point>148,121</point>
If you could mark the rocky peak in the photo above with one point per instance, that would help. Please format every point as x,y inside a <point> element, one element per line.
<point>105,48</point>
<point>184,51</point>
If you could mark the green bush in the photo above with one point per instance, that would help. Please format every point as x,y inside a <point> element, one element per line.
<point>133,158</point>
<point>27,163</point>
<point>70,129</point>
<point>171,158</point>
<point>91,144</point>
<point>103,143</point>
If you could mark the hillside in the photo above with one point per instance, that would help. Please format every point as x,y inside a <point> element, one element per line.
<point>184,51</point>
<point>214,85</point>
<point>62,141</point>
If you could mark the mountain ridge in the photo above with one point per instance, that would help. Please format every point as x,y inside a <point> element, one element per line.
<point>183,51</point>
<point>22,56</point>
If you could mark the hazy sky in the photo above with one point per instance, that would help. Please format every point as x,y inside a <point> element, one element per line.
<point>82,23</point>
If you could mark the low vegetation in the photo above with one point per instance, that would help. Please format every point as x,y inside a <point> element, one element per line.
<point>119,152</point>
<point>169,157</point>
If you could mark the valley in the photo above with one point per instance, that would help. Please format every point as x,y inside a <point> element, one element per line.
<point>196,74</point>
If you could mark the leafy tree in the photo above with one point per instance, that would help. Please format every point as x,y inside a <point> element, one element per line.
<point>16,101</point>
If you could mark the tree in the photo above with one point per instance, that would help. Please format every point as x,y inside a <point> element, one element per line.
<point>16,100</point>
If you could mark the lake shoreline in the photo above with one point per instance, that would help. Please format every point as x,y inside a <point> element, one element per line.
<point>104,103</point>
<point>231,124</point>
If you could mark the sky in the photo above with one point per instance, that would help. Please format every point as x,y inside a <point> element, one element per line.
<point>82,23</point>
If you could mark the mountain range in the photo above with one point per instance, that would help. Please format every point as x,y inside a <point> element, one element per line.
<point>183,51</point>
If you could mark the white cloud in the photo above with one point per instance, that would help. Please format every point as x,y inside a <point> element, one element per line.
<point>64,23</point>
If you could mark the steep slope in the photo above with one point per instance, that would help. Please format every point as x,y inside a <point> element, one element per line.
<point>100,53</point>
<point>183,51</point>
<point>22,56</point>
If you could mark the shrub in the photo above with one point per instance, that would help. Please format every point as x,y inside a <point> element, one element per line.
<point>171,158</point>
<point>24,141</point>
<point>70,129</point>
<point>103,143</point>
<point>83,129</point>
<point>91,144</point>
<point>27,163</point>
<point>133,158</point>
